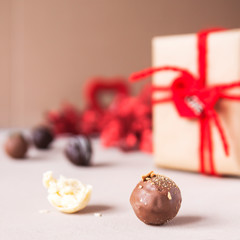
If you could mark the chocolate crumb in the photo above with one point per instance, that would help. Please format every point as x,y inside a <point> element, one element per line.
<point>97,214</point>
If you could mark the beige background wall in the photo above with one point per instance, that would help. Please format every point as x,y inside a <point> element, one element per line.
<point>49,48</point>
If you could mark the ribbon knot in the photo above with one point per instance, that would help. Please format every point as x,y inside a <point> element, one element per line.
<point>194,100</point>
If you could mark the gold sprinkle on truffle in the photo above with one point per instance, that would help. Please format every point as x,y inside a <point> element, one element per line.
<point>169,196</point>
<point>140,186</point>
<point>148,176</point>
<point>160,181</point>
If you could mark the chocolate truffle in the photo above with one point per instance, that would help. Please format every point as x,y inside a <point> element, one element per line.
<point>79,150</point>
<point>156,199</point>
<point>42,137</point>
<point>16,146</point>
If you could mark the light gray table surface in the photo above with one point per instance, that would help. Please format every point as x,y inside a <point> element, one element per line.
<point>210,207</point>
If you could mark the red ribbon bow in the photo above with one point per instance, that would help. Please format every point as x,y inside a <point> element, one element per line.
<point>193,99</point>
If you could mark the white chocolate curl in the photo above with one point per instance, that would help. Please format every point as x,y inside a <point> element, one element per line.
<point>66,194</point>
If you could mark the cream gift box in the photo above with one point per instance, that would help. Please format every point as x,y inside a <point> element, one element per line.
<point>176,139</point>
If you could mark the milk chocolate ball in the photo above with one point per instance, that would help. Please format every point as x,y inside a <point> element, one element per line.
<point>79,150</point>
<point>16,146</point>
<point>156,199</point>
<point>42,137</point>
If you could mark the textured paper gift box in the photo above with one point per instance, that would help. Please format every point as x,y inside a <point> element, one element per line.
<point>176,139</point>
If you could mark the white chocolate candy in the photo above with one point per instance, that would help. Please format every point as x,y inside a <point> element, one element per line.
<point>66,194</point>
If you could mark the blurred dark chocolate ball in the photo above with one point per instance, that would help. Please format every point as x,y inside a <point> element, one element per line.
<point>79,150</point>
<point>16,146</point>
<point>156,199</point>
<point>42,137</point>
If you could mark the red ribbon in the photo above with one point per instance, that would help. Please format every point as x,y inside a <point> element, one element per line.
<point>193,99</point>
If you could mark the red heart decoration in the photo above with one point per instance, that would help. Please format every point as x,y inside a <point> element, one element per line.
<point>181,89</point>
<point>191,100</point>
<point>98,86</point>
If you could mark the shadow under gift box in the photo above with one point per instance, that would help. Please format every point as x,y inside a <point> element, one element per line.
<point>177,139</point>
